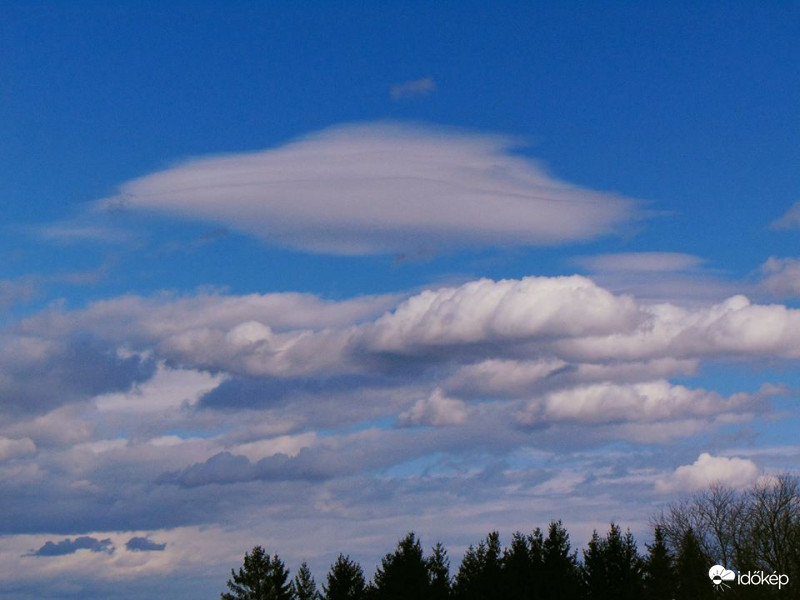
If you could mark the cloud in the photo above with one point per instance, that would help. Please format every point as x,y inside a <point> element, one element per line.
<point>781,277</point>
<point>17,291</point>
<point>11,448</point>
<point>486,311</point>
<point>437,410</point>
<point>41,372</point>
<point>382,188</point>
<point>648,262</point>
<point>708,469</point>
<point>790,220</point>
<point>649,402</point>
<point>70,546</point>
<point>167,389</point>
<point>143,544</point>
<point>413,88</point>
<point>78,231</point>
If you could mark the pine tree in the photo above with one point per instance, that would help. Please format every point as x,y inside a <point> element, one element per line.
<point>593,569</point>
<point>518,569</point>
<point>259,578</point>
<point>467,581</point>
<point>345,580</point>
<point>692,570</point>
<point>304,587</point>
<point>404,573</point>
<point>561,578</point>
<point>659,569</point>
<point>439,573</point>
<point>612,567</point>
<point>480,577</point>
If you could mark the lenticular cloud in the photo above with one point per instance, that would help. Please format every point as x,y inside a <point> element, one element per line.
<point>381,188</point>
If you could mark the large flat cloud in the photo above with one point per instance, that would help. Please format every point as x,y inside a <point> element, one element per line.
<point>382,188</point>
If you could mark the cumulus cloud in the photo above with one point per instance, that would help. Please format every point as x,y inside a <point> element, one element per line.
<point>413,88</point>
<point>382,188</point>
<point>708,469</point>
<point>70,546</point>
<point>485,311</point>
<point>144,544</point>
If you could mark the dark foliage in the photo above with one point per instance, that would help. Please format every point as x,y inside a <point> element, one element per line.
<point>260,577</point>
<point>304,587</point>
<point>756,530</point>
<point>345,580</point>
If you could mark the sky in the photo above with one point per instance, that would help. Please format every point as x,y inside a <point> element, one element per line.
<point>313,275</point>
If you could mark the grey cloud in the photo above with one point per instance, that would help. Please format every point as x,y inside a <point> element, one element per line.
<point>790,220</point>
<point>382,188</point>
<point>780,277</point>
<point>649,262</point>
<point>413,88</point>
<point>70,546</point>
<point>42,373</point>
<point>17,291</point>
<point>143,544</point>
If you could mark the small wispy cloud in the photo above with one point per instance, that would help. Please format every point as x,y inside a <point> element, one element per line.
<point>790,220</point>
<point>413,88</point>
<point>76,233</point>
<point>639,262</point>
<point>780,277</point>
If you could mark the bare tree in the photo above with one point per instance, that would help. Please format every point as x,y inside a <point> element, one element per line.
<point>758,528</point>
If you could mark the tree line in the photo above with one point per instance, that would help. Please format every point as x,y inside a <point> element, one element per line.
<point>755,530</point>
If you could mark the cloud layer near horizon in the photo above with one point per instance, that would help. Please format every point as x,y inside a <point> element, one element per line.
<point>367,407</point>
<point>382,188</point>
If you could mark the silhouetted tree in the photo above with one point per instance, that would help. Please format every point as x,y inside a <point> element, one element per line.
<point>259,578</point>
<point>439,573</point>
<point>517,569</point>
<point>691,570</point>
<point>612,567</point>
<point>304,587</point>
<point>345,580</point>
<point>403,574</point>
<point>560,579</point>
<point>659,569</point>
<point>480,576</point>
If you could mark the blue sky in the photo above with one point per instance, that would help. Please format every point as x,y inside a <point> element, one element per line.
<point>312,276</point>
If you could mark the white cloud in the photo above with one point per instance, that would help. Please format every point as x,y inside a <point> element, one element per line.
<point>437,409</point>
<point>290,445</point>
<point>510,310</point>
<point>378,188</point>
<point>708,469</point>
<point>413,88</point>
<point>167,390</point>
